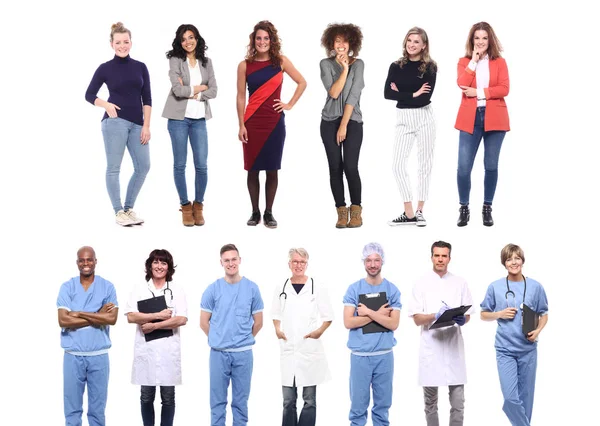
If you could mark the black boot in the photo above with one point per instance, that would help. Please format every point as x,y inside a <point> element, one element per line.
<point>487,215</point>
<point>464,216</point>
<point>269,220</point>
<point>254,219</point>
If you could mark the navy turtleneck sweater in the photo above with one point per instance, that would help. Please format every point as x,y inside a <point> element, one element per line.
<point>128,84</point>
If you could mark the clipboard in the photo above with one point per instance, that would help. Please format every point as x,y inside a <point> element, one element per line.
<point>445,320</point>
<point>151,306</point>
<point>373,301</point>
<point>529,320</point>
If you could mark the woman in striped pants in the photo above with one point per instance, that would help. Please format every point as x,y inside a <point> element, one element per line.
<point>410,82</point>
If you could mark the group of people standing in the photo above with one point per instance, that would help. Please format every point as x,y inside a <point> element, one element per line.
<point>232,316</point>
<point>482,78</point>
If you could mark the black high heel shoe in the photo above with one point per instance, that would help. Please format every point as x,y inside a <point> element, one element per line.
<point>254,218</point>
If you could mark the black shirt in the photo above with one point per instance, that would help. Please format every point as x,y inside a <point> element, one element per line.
<point>409,79</point>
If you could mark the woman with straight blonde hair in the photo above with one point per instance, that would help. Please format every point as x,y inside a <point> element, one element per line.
<point>410,82</point>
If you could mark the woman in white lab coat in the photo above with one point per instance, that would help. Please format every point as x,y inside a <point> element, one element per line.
<point>157,361</point>
<point>301,312</point>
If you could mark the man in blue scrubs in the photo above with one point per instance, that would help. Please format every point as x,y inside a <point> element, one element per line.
<point>231,316</point>
<point>87,306</point>
<point>372,359</point>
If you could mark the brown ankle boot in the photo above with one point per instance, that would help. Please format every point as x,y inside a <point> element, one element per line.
<point>342,221</point>
<point>186,213</point>
<point>355,216</point>
<point>198,217</point>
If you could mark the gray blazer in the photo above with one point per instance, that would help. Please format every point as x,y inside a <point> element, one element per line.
<point>178,95</point>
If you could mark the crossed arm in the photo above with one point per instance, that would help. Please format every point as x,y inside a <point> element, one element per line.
<point>165,320</point>
<point>107,315</point>
<point>385,316</point>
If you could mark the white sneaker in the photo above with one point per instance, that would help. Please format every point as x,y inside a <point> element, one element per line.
<point>135,219</point>
<point>420,218</point>
<point>123,219</point>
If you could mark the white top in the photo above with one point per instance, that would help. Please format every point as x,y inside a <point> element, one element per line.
<point>441,352</point>
<point>158,362</point>
<point>195,108</point>
<point>301,313</point>
<point>482,76</point>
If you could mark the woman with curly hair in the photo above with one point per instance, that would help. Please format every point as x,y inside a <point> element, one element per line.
<point>483,79</point>
<point>262,125</point>
<point>410,82</point>
<point>341,119</point>
<point>187,108</point>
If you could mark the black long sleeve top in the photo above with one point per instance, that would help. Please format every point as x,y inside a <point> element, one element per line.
<point>408,80</point>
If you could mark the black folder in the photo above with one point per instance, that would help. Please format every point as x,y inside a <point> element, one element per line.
<point>373,301</point>
<point>529,320</point>
<point>151,306</point>
<point>445,320</point>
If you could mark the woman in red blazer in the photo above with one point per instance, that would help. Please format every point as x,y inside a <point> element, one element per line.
<point>483,79</point>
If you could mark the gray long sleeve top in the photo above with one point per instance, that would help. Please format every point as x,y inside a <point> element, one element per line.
<point>330,73</point>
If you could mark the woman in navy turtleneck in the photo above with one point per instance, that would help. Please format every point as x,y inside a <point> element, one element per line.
<point>126,122</point>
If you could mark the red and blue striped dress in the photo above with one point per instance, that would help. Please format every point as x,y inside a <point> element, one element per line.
<point>265,126</point>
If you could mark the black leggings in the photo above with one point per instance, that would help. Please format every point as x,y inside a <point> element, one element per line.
<point>342,159</point>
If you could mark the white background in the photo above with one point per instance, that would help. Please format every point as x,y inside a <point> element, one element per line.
<point>54,197</point>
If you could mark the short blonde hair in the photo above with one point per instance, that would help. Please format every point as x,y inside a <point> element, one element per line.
<point>299,251</point>
<point>509,250</point>
<point>118,28</point>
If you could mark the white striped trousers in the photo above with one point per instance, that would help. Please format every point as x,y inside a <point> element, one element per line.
<point>414,124</point>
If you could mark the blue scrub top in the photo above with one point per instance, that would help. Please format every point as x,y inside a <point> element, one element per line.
<point>72,297</point>
<point>232,307</point>
<point>371,342</point>
<point>509,334</point>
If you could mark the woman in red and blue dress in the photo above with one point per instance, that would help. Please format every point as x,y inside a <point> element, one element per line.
<point>262,125</point>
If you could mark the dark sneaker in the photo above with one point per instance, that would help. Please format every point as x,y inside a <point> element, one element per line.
<point>403,220</point>
<point>487,215</point>
<point>269,220</point>
<point>254,219</point>
<point>420,218</point>
<point>464,216</point>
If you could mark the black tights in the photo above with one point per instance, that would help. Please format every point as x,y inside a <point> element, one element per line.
<point>270,188</point>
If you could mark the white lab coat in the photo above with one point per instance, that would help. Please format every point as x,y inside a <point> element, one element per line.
<point>158,362</point>
<point>441,352</point>
<point>300,314</point>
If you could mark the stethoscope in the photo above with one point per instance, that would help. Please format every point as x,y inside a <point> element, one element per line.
<point>164,293</point>
<point>509,291</point>
<point>284,294</point>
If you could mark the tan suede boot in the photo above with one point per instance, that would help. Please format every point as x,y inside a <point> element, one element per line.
<point>355,216</point>
<point>187,214</point>
<point>198,217</point>
<point>342,221</point>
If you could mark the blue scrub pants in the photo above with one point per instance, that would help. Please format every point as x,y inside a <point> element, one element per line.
<point>237,368</point>
<point>77,370</point>
<point>365,372</point>
<point>517,380</point>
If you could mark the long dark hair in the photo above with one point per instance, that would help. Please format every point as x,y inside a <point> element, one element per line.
<point>161,255</point>
<point>178,52</point>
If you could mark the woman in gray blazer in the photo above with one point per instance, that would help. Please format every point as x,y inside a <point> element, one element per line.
<point>187,108</point>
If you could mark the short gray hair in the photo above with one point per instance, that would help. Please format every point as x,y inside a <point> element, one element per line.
<point>299,251</point>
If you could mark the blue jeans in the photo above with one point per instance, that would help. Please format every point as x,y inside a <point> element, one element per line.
<point>195,130</point>
<point>308,415</point>
<point>118,134</point>
<point>167,412</point>
<point>467,150</point>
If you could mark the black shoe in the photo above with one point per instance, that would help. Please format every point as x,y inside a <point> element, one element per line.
<point>403,220</point>
<point>464,216</point>
<point>254,219</point>
<point>487,215</point>
<point>269,220</point>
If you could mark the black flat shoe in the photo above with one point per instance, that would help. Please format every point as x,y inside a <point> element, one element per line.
<point>254,218</point>
<point>487,215</point>
<point>464,216</point>
<point>269,220</point>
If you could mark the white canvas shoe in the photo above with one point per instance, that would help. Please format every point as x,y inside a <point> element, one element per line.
<point>135,219</point>
<point>123,219</point>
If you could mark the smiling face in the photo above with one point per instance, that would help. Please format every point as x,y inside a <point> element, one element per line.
<point>121,44</point>
<point>159,269</point>
<point>373,265</point>
<point>230,261</point>
<point>341,45</point>
<point>262,42</point>
<point>481,41</point>
<point>297,265</point>
<point>514,265</point>
<point>189,42</point>
<point>86,262</point>
<point>414,46</point>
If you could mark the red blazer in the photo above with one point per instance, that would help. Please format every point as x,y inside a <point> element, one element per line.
<point>496,114</point>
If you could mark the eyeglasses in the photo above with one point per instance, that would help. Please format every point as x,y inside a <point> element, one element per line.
<point>298,262</point>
